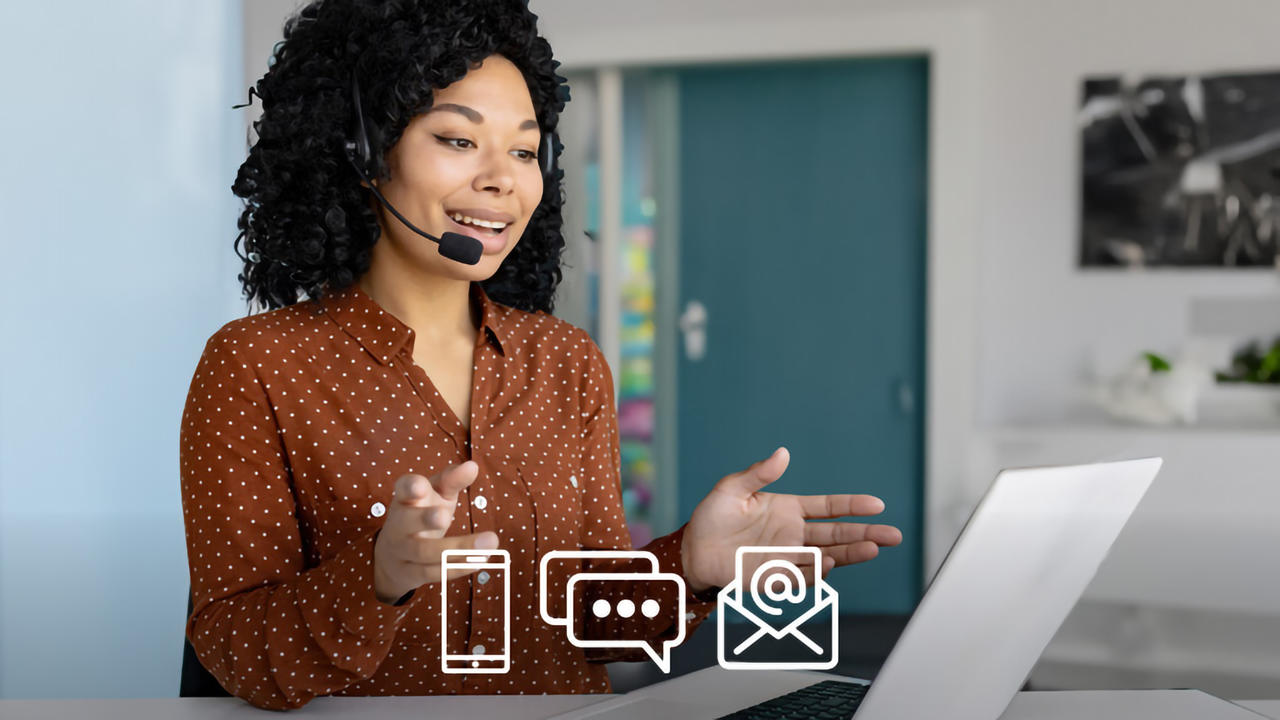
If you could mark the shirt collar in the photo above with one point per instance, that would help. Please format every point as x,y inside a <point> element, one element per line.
<point>383,335</point>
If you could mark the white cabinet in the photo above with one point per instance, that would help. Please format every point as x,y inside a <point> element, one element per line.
<point>1190,593</point>
<point>1207,534</point>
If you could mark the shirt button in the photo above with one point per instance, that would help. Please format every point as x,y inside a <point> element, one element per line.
<point>481,502</point>
<point>378,510</point>
<point>483,577</point>
<point>573,480</point>
<point>477,650</point>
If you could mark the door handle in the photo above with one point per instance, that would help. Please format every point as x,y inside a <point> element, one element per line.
<point>693,325</point>
<point>906,396</point>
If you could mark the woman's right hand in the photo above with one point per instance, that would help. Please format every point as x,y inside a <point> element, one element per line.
<point>407,551</point>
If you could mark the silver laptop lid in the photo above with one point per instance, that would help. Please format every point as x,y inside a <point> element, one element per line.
<point>1023,559</point>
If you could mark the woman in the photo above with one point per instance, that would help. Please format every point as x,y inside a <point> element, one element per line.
<point>332,449</point>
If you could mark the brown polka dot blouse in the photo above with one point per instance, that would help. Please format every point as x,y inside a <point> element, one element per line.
<point>298,423</point>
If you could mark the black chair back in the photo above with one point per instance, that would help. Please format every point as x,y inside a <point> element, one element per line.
<point>196,680</point>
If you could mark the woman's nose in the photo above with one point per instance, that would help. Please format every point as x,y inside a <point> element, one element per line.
<point>496,173</point>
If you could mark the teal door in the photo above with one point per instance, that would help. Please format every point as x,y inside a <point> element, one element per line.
<point>802,234</point>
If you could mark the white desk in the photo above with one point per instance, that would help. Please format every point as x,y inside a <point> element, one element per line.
<point>530,707</point>
<point>703,694</point>
<point>482,707</point>
<point>1270,708</point>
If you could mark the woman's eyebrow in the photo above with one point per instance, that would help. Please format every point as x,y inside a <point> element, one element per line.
<point>476,117</point>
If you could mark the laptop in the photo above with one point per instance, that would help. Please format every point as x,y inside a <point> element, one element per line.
<point>1023,559</point>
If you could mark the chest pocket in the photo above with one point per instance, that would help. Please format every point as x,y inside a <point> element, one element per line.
<point>553,487</point>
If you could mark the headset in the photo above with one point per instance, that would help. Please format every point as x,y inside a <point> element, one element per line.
<point>368,165</point>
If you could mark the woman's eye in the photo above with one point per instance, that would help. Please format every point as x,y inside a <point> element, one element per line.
<point>455,142</point>
<point>526,155</point>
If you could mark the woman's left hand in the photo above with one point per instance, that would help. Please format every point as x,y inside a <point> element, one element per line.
<point>736,513</point>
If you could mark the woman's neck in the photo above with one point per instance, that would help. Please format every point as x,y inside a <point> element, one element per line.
<point>437,309</point>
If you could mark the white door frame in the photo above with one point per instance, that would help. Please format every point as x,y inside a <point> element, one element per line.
<point>951,39</point>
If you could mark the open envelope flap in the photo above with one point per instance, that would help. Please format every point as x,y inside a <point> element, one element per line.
<point>824,597</point>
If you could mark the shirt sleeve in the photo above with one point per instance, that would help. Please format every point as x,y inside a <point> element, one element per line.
<point>605,528</point>
<point>270,629</point>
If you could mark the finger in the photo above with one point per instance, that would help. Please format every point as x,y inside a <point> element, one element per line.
<point>417,509</point>
<point>455,572</point>
<point>852,553</point>
<point>454,480</point>
<point>823,534</point>
<point>425,560</point>
<point>429,552</point>
<point>414,490</point>
<point>760,474</point>
<point>884,535</point>
<point>422,573</point>
<point>834,506</point>
<point>429,523</point>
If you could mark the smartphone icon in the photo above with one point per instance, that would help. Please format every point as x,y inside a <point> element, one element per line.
<point>493,568</point>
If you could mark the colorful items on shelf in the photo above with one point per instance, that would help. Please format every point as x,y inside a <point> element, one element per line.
<point>635,381</point>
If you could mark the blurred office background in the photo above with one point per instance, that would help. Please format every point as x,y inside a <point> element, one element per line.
<point>847,226</point>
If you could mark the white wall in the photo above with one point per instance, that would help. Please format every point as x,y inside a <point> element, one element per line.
<point>117,228</point>
<point>1043,321</point>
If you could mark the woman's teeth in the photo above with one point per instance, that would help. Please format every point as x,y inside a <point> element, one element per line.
<point>496,226</point>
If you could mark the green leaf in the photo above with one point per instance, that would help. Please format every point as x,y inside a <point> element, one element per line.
<point>1158,364</point>
<point>1269,365</point>
<point>1251,365</point>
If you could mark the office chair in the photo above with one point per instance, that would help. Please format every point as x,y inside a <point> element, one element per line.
<point>196,680</point>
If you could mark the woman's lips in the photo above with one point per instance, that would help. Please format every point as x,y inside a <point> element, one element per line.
<point>493,244</point>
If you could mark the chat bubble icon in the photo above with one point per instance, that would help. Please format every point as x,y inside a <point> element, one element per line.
<point>613,595</point>
<point>555,566</point>
<point>663,595</point>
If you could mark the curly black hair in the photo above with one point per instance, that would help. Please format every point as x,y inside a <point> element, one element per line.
<point>307,224</point>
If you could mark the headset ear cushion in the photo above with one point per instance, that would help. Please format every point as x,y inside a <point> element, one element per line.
<point>372,158</point>
<point>547,155</point>
<point>363,142</point>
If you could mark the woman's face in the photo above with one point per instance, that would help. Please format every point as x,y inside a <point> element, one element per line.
<point>473,154</point>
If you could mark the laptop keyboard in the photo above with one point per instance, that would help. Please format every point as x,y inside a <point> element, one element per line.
<point>827,700</point>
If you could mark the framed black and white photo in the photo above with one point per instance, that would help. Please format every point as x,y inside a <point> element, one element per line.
<point>1181,171</point>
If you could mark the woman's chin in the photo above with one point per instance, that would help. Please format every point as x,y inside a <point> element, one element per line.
<point>482,270</point>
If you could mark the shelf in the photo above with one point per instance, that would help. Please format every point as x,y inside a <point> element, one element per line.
<point>1039,429</point>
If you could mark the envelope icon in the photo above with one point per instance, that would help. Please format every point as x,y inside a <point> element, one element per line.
<point>745,598</point>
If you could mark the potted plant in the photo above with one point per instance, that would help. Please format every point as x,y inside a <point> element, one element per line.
<point>1248,390</point>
